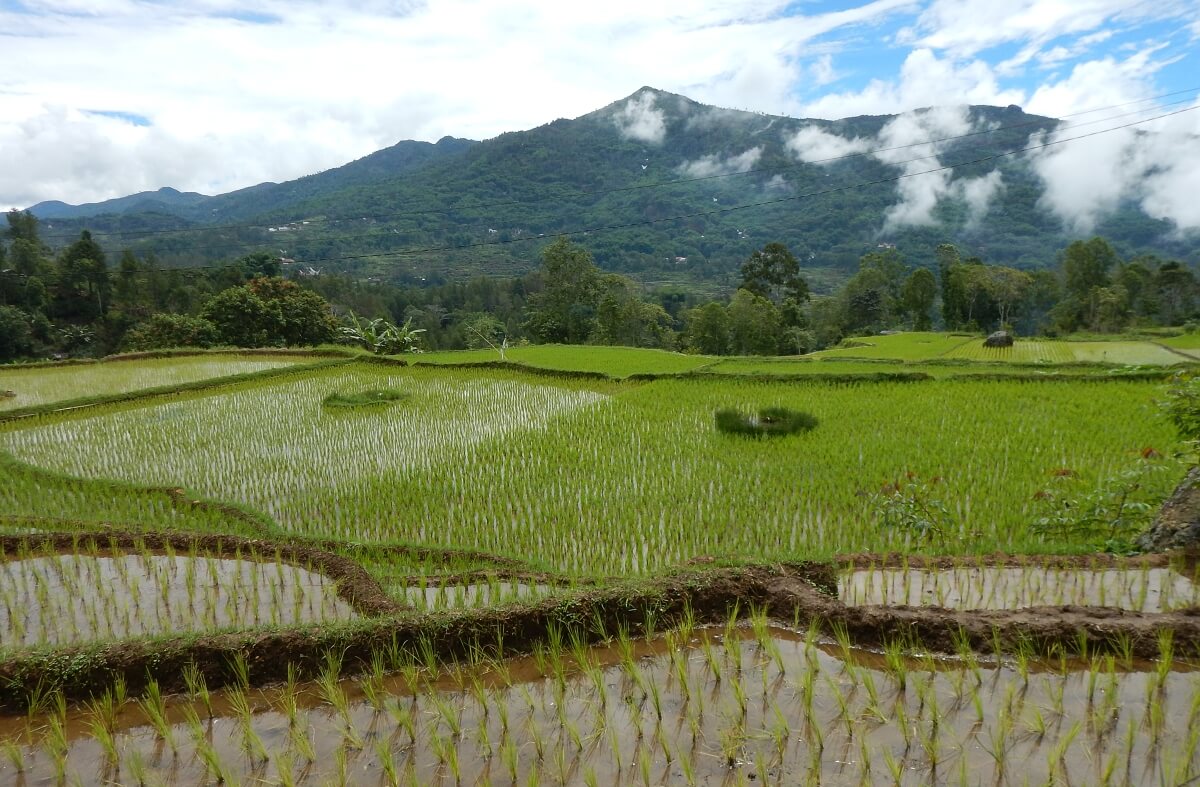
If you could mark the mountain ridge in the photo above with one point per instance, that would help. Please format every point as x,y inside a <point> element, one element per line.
<point>474,205</point>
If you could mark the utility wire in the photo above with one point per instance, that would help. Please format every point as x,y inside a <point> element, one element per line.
<point>660,184</point>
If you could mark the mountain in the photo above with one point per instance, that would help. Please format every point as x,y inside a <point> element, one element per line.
<point>165,200</point>
<point>647,184</point>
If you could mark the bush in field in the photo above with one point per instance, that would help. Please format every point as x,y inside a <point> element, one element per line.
<point>914,505</point>
<point>171,330</point>
<point>768,421</point>
<point>364,398</point>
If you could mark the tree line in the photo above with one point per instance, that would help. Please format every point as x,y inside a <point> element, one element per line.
<point>76,303</point>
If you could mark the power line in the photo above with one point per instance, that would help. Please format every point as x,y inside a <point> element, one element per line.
<point>660,184</point>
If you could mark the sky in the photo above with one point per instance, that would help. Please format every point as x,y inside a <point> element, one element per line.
<point>102,98</point>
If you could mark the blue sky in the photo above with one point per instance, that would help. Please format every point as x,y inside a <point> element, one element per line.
<point>100,98</point>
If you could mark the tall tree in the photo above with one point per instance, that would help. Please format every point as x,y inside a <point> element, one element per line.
<point>1086,265</point>
<point>774,273</point>
<point>81,282</point>
<point>918,295</point>
<point>754,324</point>
<point>565,310</point>
<point>708,329</point>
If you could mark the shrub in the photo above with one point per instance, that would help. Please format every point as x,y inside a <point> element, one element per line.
<point>364,398</point>
<point>768,421</point>
<point>171,330</point>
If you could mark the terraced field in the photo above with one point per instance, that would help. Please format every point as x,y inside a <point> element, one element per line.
<point>484,575</point>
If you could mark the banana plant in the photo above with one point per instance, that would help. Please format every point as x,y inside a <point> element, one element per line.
<point>380,336</point>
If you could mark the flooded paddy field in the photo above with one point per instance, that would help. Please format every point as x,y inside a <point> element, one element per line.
<point>747,704</point>
<point>61,599</point>
<point>1145,589</point>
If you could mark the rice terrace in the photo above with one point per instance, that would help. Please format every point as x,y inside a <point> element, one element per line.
<point>597,566</point>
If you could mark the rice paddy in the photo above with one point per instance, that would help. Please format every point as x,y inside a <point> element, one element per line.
<point>53,599</point>
<point>998,587</point>
<point>597,481</point>
<point>750,704</point>
<point>465,508</point>
<point>40,385</point>
<point>915,347</point>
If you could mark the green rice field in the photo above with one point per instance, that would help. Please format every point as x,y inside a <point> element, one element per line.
<point>31,386</point>
<point>602,478</point>
<point>362,572</point>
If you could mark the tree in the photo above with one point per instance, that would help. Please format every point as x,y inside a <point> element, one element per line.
<point>1007,288</point>
<point>918,295</point>
<point>242,319</point>
<point>305,317</point>
<point>270,312</point>
<point>949,263</point>
<point>1086,265</point>
<point>171,330</point>
<point>754,325</point>
<point>1175,287</point>
<point>623,318</point>
<point>16,334</point>
<point>82,286</point>
<point>565,310</point>
<point>708,329</point>
<point>773,273</point>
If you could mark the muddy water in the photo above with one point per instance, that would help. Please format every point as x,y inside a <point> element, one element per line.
<point>1141,590</point>
<point>749,708</point>
<point>60,599</point>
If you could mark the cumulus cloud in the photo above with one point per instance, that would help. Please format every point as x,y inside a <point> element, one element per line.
<point>904,143</point>
<point>978,194</point>
<point>270,90</point>
<point>967,27</point>
<point>813,144</point>
<point>706,166</point>
<point>640,119</point>
<point>1087,179</point>
<point>925,80</point>
<point>919,194</point>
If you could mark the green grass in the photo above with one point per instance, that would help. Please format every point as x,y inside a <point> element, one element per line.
<point>598,478</point>
<point>43,384</point>
<point>613,361</point>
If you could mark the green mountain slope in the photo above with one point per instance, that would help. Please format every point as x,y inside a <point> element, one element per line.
<point>393,214</point>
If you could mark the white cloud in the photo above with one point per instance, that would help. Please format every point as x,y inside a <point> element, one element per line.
<point>925,80</point>
<point>1087,179</point>
<point>233,102</point>
<point>920,193</point>
<point>904,142</point>
<point>706,166</point>
<point>640,119</point>
<point>1098,83</point>
<point>967,27</point>
<point>978,193</point>
<point>813,144</point>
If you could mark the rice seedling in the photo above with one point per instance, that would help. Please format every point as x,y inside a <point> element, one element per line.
<point>590,453</point>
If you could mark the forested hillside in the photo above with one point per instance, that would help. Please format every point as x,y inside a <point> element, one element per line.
<point>620,176</point>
